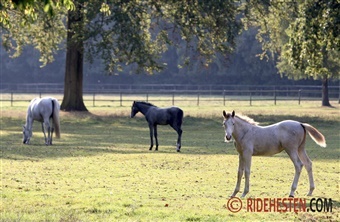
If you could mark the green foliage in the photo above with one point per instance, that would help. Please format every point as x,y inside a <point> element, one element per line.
<point>29,9</point>
<point>314,39</point>
<point>31,25</point>
<point>304,35</point>
<point>138,32</point>
<point>126,32</point>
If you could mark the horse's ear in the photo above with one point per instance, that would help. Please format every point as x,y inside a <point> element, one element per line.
<point>224,114</point>
<point>233,114</point>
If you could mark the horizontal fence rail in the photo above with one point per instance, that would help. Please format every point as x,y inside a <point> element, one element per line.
<point>194,95</point>
<point>114,88</point>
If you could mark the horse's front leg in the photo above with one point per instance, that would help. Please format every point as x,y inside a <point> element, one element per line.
<point>151,136</point>
<point>247,163</point>
<point>155,133</point>
<point>239,175</point>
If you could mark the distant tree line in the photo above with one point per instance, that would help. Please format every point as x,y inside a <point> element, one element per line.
<point>242,67</point>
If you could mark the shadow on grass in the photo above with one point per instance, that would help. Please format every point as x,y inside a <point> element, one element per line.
<point>86,134</point>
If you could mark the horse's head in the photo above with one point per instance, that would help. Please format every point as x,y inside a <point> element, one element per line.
<point>134,109</point>
<point>228,124</point>
<point>27,135</point>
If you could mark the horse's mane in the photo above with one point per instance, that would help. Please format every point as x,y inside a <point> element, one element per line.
<point>145,103</point>
<point>247,119</point>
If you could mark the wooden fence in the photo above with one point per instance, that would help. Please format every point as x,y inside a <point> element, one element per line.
<point>178,97</point>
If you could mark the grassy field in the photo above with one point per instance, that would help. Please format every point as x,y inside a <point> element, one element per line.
<point>101,169</point>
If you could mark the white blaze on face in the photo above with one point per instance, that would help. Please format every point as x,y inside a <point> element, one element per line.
<point>229,128</point>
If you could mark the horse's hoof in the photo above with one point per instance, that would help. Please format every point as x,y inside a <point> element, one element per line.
<point>178,151</point>
<point>291,196</point>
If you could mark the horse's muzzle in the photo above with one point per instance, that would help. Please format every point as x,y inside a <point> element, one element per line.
<point>228,138</point>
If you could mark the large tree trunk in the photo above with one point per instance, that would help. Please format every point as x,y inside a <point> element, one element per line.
<point>73,82</point>
<point>325,97</point>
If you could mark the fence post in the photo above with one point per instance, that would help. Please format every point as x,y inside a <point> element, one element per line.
<point>198,99</point>
<point>121,98</point>
<point>223,97</point>
<point>94,99</point>
<point>274,96</point>
<point>250,98</point>
<point>173,99</point>
<point>299,96</point>
<point>11,98</point>
<point>39,94</point>
<point>147,97</point>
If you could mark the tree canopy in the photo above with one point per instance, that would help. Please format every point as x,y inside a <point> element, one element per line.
<point>33,22</point>
<point>130,32</point>
<point>303,34</point>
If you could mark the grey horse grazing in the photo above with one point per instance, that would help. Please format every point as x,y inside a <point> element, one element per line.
<point>253,140</point>
<point>154,115</point>
<point>42,110</point>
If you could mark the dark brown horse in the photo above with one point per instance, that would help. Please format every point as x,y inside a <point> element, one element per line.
<point>154,115</point>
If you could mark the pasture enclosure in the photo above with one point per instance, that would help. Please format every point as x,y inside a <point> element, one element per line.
<point>101,168</point>
<point>199,95</point>
<point>120,99</point>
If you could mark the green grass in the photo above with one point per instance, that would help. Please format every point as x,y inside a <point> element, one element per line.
<point>101,169</point>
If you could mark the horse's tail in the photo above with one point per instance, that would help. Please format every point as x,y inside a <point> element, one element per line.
<point>315,134</point>
<point>55,117</point>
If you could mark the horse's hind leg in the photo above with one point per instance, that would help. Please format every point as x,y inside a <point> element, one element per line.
<point>44,132</point>
<point>293,154</point>
<point>308,164</point>
<point>52,130</point>
<point>46,126</point>
<point>179,132</point>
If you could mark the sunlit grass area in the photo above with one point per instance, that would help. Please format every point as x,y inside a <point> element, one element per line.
<point>101,168</point>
